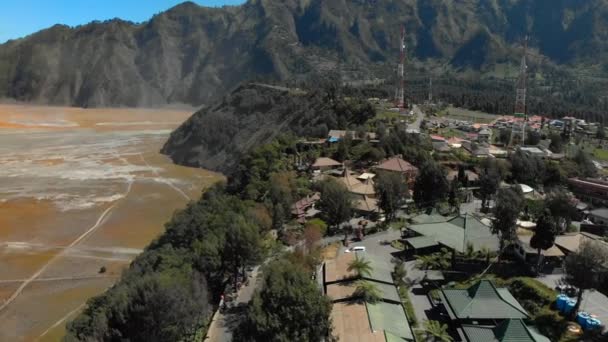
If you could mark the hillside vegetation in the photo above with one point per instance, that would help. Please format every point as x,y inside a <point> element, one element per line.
<point>217,137</point>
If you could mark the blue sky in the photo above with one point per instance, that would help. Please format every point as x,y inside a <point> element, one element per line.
<point>19,18</point>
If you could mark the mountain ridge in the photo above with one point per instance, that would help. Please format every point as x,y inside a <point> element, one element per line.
<point>193,54</point>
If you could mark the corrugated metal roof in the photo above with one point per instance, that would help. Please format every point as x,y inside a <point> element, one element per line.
<point>482,301</point>
<point>510,330</point>
<point>390,318</point>
<point>458,232</point>
<point>422,242</point>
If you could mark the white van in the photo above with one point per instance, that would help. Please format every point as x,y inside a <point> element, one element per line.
<point>358,249</point>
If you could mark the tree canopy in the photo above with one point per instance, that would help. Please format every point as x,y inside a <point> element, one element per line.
<point>335,202</point>
<point>544,234</point>
<point>509,203</point>
<point>431,185</point>
<point>391,190</point>
<point>288,307</point>
<point>582,267</point>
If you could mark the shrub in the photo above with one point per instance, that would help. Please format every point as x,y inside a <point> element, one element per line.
<point>320,224</point>
<point>551,324</point>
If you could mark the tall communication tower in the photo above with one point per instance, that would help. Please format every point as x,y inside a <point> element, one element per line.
<point>520,98</point>
<point>430,90</point>
<point>400,90</point>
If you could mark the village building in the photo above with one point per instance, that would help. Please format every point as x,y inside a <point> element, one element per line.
<point>471,176</point>
<point>363,191</point>
<point>591,191</point>
<point>335,135</point>
<point>356,320</point>
<point>484,135</point>
<point>481,304</point>
<point>454,233</point>
<point>509,330</point>
<point>599,216</point>
<point>305,208</point>
<point>326,164</point>
<point>533,151</point>
<point>551,258</point>
<point>400,166</point>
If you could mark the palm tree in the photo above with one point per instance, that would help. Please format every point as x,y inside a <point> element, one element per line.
<point>368,291</point>
<point>361,266</point>
<point>437,332</point>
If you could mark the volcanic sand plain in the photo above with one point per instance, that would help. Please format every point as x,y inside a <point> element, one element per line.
<point>80,189</point>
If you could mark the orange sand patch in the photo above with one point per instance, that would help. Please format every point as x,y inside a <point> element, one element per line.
<point>102,119</point>
<point>22,264</point>
<point>42,304</point>
<point>132,224</point>
<point>50,162</point>
<point>22,213</point>
<point>40,221</point>
<point>7,289</point>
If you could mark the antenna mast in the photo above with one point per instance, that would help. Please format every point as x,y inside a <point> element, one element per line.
<point>400,91</point>
<point>520,96</point>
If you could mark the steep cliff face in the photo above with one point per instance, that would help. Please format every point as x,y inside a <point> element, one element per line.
<point>217,137</point>
<point>190,54</point>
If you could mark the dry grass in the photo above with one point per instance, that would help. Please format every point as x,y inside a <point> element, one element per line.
<point>331,251</point>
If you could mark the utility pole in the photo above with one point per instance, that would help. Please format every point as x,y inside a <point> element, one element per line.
<point>520,97</point>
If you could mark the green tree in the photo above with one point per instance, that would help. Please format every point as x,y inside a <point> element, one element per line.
<point>285,306</point>
<point>585,165</point>
<point>489,182</point>
<point>561,209</point>
<point>362,267</point>
<point>601,133</point>
<point>155,307</point>
<point>243,246</point>
<point>527,169</point>
<point>282,188</point>
<point>503,136</point>
<point>436,332</point>
<point>557,144</point>
<point>533,138</point>
<point>399,272</point>
<point>582,268</point>
<point>367,291</point>
<point>554,174</point>
<point>391,190</point>
<point>335,202</point>
<point>343,151</point>
<point>319,224</point>
<point>544,235</point>
<point>431,185</point>
<point>509,203</point>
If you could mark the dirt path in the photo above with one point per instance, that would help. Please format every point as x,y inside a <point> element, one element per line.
<point>167,182</point>
<point>100,220</point>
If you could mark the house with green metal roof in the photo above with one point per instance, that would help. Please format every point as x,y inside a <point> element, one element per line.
<point>482,303</point>
<point>356,320</point>
<point>510,330</point>
<point>455,233</point>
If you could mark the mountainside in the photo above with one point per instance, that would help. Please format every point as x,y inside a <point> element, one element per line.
<point>215,138</point>
<point>190,54</point>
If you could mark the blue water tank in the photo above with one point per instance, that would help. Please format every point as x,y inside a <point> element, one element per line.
<point>581,318</point>
<point>561,302</point>
<point>593,323</point>
<point>569,306</point>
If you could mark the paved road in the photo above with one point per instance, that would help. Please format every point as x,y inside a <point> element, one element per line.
<point>419,117</point>
<point>222,324</point>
